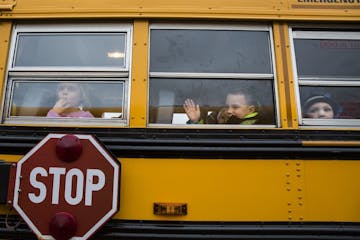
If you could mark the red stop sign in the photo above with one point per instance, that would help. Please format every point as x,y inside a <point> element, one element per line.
<point>67,178</point>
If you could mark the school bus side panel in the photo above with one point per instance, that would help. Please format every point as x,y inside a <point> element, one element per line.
<point>242,190</point>
<point>332,190</point>
<point>215,190</point>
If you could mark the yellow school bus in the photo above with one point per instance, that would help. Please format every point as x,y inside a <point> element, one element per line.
<point>162,84</point>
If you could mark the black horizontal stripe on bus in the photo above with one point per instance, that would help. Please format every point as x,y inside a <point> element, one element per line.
<point>120,229</point>
<point>198,143</point>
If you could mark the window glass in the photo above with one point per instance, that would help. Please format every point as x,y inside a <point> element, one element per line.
<point>70,49</point>
<point>71,99</point>
<point>211,75</point>
<point>330,102</point>
<point>167,96</point>
<point>327,57</point>
<point>328,77</point>
<point>68,74</point>
<point>211,51</point>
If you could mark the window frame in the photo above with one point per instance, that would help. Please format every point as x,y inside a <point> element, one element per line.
<point>69,73</point>
<point>239,76</point>
<point>319,81</point>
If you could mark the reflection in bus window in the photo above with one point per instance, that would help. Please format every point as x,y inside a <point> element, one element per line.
<point>168,97</point>
<point>67,99</point>
<point>343,101</point>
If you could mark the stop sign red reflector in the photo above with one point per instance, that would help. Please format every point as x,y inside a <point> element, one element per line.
<point>68,148</point>
<point>63,226</point>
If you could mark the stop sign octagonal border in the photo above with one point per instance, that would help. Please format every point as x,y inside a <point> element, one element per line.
<point>115,188</point>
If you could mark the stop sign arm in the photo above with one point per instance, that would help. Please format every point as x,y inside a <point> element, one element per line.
<point>7,174</point>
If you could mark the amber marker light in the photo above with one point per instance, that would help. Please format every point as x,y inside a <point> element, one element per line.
<point>170,209</point>
<point>68,148</point>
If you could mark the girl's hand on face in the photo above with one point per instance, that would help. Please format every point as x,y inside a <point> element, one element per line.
<point>62,106</point>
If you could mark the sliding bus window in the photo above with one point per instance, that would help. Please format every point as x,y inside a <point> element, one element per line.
<point>328,76</point>
<point>205,64</point>
<point>66,99</point>
<point>70,49</point>
<point>68,73</point>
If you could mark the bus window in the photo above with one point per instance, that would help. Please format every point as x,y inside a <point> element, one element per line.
<point>328,76</point>
<point>51,60</point>
<point>168,95</point>
<point>66,99</point>
<point>205,65</point>
<point>70,49</point>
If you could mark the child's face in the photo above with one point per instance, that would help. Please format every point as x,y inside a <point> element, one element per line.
<point>69,93</point>
<point>320,110</point>
<point>237,106</point>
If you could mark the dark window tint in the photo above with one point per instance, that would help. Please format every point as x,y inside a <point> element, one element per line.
<point>210,51</point>
<point>75,50</point>
<point>331,58</point>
